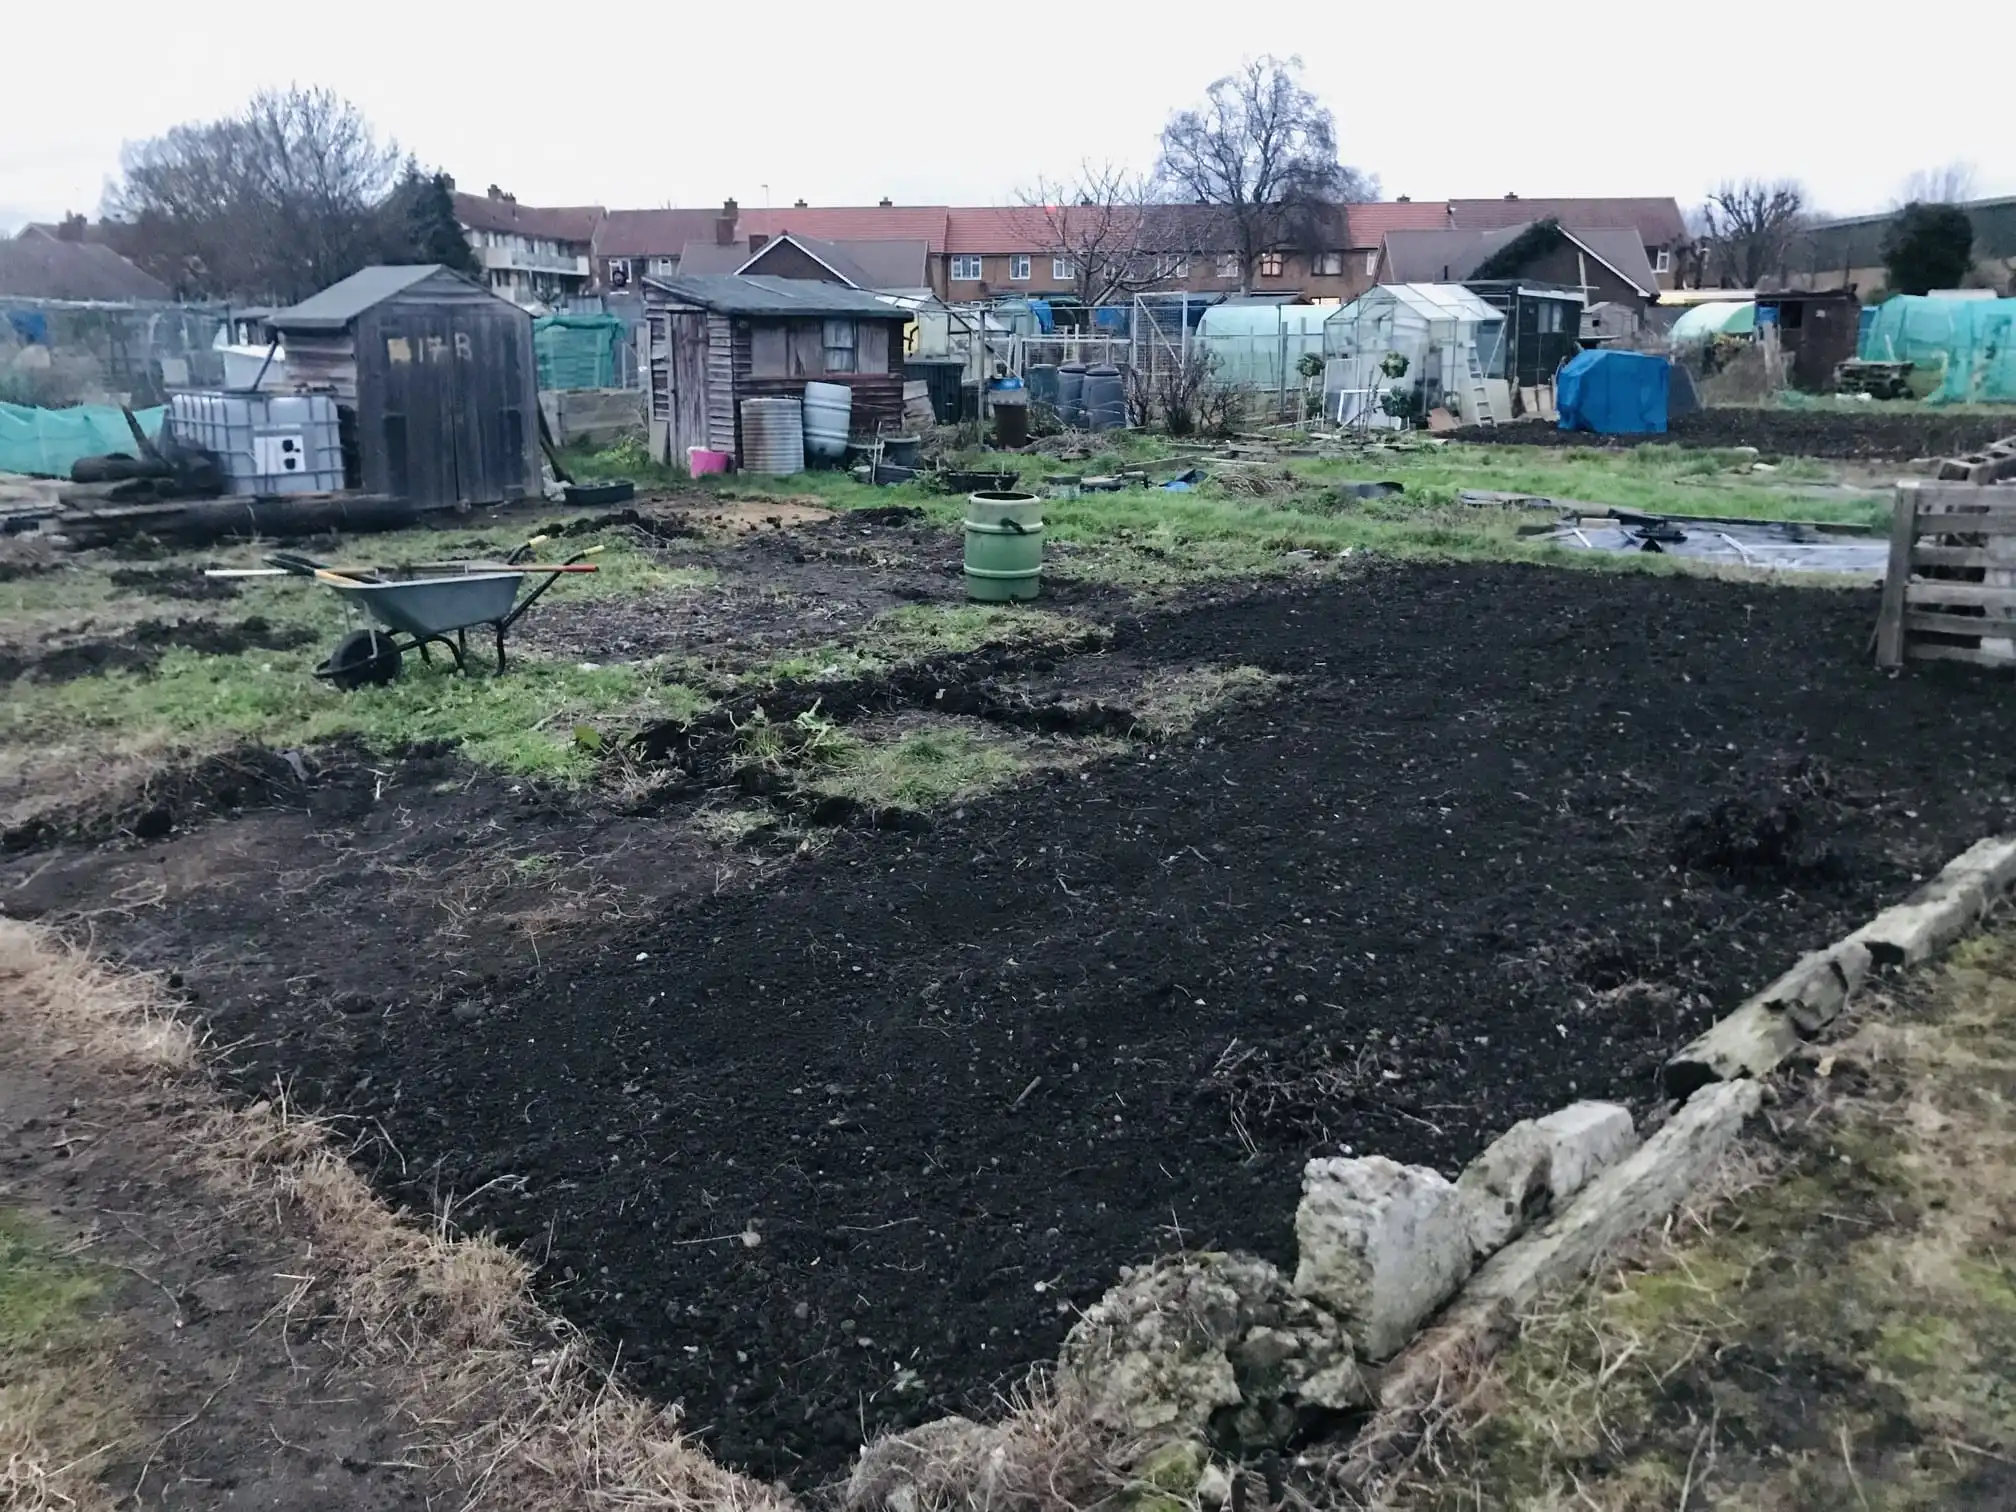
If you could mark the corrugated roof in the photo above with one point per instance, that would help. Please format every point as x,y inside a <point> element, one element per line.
<point>38,267</point>
<point>343,301</point>
<point>566,223</point>
<point>757,295</point>
<point>1657,221</point>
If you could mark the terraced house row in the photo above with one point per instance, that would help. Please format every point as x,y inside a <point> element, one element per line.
<point>978,253</point>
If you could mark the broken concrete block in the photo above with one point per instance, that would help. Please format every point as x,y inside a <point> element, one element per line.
<point>934,1465</point>
<point>1382,1244</point>
<point>1210,1345</point>
<point>1536,1165</point>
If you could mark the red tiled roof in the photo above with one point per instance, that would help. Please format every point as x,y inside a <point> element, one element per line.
<point>1657,221</point>
<point>567,223</point>
<point>1370,223</point>
<point>925,223</point>
<point>652,233</point>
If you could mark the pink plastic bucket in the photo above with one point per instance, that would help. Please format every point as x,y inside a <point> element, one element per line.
<point>700,461</point>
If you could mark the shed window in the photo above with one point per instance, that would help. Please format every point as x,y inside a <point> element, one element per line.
<point>769,352</point>
<point>840,346</point>
<point>1018,267</point>
<point>966,268</point>
<point>1330,264</point>
<point>1270,264</point>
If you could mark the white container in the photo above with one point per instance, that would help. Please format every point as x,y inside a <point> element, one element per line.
<point>773,437</point>
<point>266,444</point>
<point>829,410</point>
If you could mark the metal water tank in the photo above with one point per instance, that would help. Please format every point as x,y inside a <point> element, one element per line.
<point>1071,395</point>
<point>773,436</point>
<point>1105,399</point>
<point>829,410</point>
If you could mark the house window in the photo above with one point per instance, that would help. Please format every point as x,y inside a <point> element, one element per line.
<point>1270,264</point>
<point>1063,269</point>
<point>663,267</point>
<point>966,269</point>
<point>1662,261</point>
<point>1330,264</point>
<point>1372,262</point>
<point>619,272</point>
<point>1172,265</point>
<point>1018,267</point>
<point>1228,264</point>
<point>839,346</point>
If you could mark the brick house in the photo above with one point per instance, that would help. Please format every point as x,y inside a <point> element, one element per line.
<point>529,254</point>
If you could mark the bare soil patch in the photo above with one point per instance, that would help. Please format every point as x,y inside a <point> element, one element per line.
<point>143,646</point>
<point>844,1151</point>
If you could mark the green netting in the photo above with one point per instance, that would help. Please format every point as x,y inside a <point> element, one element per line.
<point>576,351</point>
<point>1970,342</point>
<point>50,441</point>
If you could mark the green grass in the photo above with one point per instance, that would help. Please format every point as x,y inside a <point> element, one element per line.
<point>524,722</point>
<point>922,770</point>
<point>912,633</point>
<point>45,1294</point>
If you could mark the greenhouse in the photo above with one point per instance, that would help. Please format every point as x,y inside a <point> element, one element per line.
<point>1258,346</point>
<point>1971,343</point>
<point>1400,350</point>
<point>1720,317</point>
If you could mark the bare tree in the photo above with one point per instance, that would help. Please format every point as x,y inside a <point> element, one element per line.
<point>1951,184</point>
<point>1262,150</point>
<point>275,202</point>
<point>1747,230</point>
<point>1103,226</point>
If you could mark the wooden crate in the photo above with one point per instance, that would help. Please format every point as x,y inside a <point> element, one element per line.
<point>1949,593</point>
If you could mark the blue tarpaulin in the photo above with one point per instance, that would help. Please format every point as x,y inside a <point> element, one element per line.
<point>1613,393</point>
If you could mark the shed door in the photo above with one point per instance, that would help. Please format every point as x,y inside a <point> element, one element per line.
<point>678,341</point>
<point>419,404</point>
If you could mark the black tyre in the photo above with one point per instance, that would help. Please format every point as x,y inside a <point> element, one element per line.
<point>362,658</point>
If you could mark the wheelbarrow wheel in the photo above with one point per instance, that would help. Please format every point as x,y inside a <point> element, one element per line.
<point>362,658</point>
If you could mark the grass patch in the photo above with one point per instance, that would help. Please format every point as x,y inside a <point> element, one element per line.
<point>923,769</point>
<point>1843,1336</point>
<point>524,722</point>
<point>1171,703</point>
<point>56,1421</point>
<point>914,633</point>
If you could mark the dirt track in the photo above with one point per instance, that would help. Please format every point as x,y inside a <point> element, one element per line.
<point>845,1150</point>
<point>1884,435</point>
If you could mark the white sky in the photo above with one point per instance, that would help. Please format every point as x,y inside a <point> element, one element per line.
<point>632,106</point>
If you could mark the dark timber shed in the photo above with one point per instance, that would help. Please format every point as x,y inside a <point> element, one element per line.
<point>434,378</point>
<point>718,339</point>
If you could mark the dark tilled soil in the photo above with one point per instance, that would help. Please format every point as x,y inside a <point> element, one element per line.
<point>174,583</point>
<point>1879,436</point>
<point>846,1151</point>
<point>141,648</point>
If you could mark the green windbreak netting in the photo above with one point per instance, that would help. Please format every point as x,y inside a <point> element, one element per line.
<point>576,351</point>
<point>1971,343</point>
<point>49,441</point>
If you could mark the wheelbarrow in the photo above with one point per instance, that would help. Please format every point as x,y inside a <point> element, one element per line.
<point>435,604</point>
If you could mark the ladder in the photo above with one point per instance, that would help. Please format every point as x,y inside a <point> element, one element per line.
<point>1479,400</point>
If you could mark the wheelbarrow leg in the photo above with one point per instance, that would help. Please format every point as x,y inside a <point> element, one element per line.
<point>498,626</point>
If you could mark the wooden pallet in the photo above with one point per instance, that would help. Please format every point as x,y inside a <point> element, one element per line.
<point>1949,593</point>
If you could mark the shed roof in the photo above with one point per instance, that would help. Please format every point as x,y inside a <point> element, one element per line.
<point>731,294</point>
<point>38,267</point>
<point>343,301</point>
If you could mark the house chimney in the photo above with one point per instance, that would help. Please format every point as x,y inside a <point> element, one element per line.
<point>887,203</point>
<point>798,205</point>
<point>724,223</point>
<point>1511,196</point>
<point>1405,199</point>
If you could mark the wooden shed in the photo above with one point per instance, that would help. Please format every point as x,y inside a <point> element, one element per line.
<point>434,381</point>
<point>717,340</point>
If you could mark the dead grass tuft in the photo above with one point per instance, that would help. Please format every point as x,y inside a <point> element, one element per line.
<point>504,1401</point>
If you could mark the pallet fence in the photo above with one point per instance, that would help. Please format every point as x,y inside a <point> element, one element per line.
<point>1950,591</point>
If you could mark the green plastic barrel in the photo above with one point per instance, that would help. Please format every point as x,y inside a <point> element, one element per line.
<point>1004,546</point>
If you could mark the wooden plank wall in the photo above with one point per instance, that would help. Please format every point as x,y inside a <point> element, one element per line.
<point>1950,591</point>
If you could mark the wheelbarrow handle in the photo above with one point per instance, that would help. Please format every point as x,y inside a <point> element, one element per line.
<point>289,561</point>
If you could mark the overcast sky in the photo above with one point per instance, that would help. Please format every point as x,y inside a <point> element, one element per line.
<point>633,106</point>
